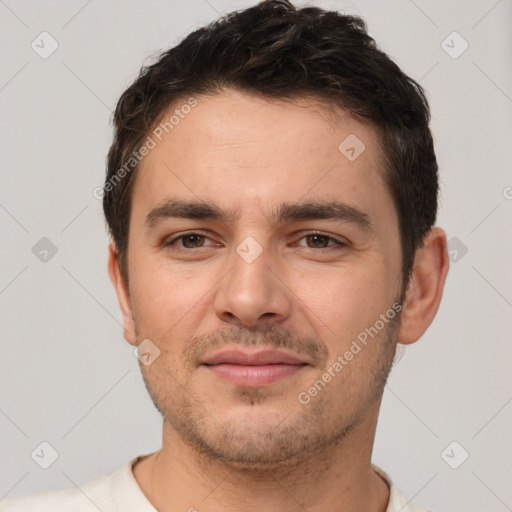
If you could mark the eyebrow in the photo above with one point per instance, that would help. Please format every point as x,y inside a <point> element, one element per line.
<point>311,210</point>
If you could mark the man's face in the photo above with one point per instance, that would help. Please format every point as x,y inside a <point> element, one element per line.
<point>257,280</point>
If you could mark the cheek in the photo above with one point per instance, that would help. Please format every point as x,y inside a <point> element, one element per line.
<point>167,300</point>
<point>345,300</point>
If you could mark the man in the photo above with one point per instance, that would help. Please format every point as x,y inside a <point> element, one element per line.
<point>271,195</point>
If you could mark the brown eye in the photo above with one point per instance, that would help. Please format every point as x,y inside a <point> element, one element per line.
<point>187,242</point>
<point>321,241</point>
<point>192,241</point>
<point>318,241</point>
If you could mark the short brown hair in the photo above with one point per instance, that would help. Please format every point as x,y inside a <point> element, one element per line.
<point>277,51</point>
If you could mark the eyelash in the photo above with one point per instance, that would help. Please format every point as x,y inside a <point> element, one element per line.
<point>171,244</point>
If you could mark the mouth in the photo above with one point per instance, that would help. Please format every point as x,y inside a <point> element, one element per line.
<point>254,369</point>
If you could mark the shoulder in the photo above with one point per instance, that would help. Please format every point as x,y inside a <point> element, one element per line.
<point>397,501</point>
<point>89,497</point>
<point>118,491</point>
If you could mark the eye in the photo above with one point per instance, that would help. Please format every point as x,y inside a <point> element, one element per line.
<point>187,241</point>
<point>321,241</point>
<point>192,241</point>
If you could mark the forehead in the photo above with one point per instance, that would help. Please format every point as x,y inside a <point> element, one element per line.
<point>232,147</point>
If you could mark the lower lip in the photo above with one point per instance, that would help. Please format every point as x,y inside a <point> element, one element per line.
<point>254,376</point>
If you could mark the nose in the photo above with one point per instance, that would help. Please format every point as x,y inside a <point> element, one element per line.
<point>253,291</point>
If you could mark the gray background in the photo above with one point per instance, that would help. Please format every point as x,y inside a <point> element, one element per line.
<point>67,375</point>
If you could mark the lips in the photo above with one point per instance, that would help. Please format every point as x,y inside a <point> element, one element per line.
<point>253,369</point>
<point>261,358</point>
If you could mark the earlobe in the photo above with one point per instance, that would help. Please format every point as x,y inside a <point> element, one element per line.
<point>425,287</point>
<point>122,292</point>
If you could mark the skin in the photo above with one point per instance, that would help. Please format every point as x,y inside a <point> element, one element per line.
<point>228,447</point>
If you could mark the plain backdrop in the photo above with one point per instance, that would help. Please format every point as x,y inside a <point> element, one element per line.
<point>69,379</point>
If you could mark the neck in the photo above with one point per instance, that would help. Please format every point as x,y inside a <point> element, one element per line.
<point>333,478</point>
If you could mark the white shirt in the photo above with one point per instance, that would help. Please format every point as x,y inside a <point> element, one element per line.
<point>120,492</point>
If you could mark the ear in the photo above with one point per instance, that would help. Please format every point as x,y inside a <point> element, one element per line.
<point>425,287</point>
<point>122,292</point>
